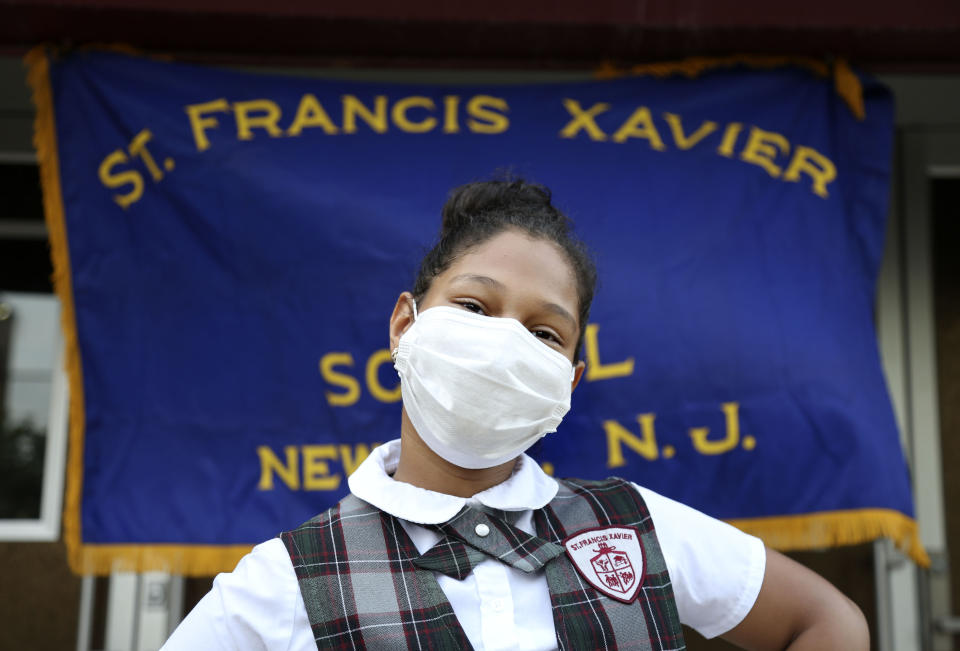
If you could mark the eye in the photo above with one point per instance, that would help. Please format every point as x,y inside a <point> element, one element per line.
<point>547,336</point>
<point>471,306</point>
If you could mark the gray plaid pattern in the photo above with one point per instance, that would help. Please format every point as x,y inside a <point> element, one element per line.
<point>364,586</point>
<point>360,587</point>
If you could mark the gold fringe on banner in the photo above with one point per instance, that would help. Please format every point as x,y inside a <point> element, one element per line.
<point>187,560</point>
<point>810,531</point>
<point>191,560</point>
<point>45,142</point>
<point>845,82</point>
<point>837,528</point>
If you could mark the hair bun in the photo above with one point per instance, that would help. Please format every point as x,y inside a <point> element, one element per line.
<point>497,201</point>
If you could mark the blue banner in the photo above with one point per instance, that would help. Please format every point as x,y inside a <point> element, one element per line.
<point>230,246</point>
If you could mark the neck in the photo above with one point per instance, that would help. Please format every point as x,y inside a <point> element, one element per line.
<point>424,468</point>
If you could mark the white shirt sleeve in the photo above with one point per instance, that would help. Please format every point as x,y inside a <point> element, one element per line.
<point>716,569</point>
<point>257,607</point>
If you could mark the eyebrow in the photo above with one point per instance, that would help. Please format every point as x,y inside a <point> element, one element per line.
<point>486,280</point>
<point>560,311</point>
<point>550,307</point>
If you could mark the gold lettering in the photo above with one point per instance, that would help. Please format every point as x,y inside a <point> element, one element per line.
<point>399,114</point>
<point>596,370</point>
<point>728,442</point>
<point>267,120</point>
<point>450,105</point>
<point>352,459</point>
<point>138,147</point>
<point>316,471</point>
<point>583,120</point>
<point>114,180</point>
<point>640,125</point>
<point>354,108</point>
<point>310,113</point>
<point>644,445</point>
<point>269,463</point>
<point>761,149</point>
<point>730,135</point>
<point>686,142</point>
<point>199,124</point>
<point>809,161</point>
<point>377,390</point>
<point>347,382</point>
<point>485,107</point>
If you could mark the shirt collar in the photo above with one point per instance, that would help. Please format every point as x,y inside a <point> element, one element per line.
<point>527,488</point>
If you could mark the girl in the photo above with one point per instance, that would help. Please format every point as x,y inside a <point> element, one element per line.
<point>453,538</point>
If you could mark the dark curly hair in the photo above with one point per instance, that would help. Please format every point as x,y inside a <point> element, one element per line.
<point>475,212</point>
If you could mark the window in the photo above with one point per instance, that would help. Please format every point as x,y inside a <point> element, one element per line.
<point>33,387</point>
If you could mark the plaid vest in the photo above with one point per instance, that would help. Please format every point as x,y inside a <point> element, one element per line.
<point>365,585</point>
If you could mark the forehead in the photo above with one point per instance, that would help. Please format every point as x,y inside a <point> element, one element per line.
<point>527,265</point>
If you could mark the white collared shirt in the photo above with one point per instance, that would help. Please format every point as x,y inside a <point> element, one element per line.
<point>716,570</point>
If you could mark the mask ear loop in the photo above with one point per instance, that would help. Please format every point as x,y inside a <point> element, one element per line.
<point>396,351</point>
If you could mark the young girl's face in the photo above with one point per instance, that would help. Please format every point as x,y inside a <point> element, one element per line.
<point>516,276</point>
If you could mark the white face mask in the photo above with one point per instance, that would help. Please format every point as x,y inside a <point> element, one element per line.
<point>480,390</point>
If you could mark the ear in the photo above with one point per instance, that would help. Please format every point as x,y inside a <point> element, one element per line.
<point>577,374</point>
<point>401,319</point>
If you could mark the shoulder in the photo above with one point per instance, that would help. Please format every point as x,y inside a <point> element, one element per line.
<point>612,497</point>
<point>349,505</point>
<point>350,519</point>
<point>715,568</point>
<point>259,604</point>
<point>255,606</point>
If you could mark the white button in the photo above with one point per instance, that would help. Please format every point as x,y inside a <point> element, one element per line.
<point>482,530</point>
<point>498,605</point>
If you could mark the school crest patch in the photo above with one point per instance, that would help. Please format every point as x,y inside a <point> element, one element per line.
<point>610,559</point>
